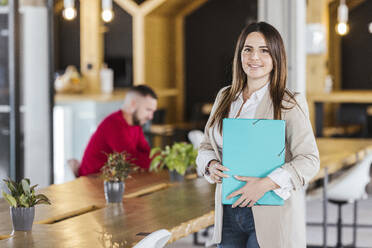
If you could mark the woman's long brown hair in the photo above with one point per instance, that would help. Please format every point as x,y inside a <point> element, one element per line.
<point>278,77</point>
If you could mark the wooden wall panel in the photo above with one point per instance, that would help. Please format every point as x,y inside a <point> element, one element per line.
<point>91,43</point>
<point>317,12</point>
<point>139,66</point>
<point>180,67</point>
<point>160,58</point>
<point>159,50</point>
<point>317,64</point>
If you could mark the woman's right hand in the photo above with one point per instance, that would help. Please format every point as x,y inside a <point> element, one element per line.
<point>216,171</point>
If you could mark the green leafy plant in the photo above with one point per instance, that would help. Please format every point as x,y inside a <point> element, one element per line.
<point>22,195</point>
<point>179,157</point>
<point>3,2</point>
<point>117,167</point>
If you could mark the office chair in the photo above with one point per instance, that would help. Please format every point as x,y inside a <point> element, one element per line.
<point>74,165</point>
<point>350,114</point>
<point>348,188</point>
<point>195,137</point>
<point>157,239</point>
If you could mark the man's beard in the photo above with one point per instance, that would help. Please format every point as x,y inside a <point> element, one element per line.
<point>136,121</point>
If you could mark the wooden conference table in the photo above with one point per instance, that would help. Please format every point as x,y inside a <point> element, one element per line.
<point>79,216</point>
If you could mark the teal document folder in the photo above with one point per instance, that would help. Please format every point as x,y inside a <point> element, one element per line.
<point>252,147</point>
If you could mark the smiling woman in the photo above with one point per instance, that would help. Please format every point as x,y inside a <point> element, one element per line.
<point>258,91</point>
<point>256,60</point>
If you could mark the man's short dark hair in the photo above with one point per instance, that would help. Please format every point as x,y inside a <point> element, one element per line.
<point>144,91</point>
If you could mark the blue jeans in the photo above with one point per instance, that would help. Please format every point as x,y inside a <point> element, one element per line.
<point>238,229</point>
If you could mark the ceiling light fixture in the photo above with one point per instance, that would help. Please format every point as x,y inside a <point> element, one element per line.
<point>69,11</point>
<point>107,13</point>
<point>342,27</point>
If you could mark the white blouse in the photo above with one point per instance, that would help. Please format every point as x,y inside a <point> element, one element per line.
<point>279,176</point>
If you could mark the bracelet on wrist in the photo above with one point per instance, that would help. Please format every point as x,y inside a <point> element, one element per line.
<point>207,172</point>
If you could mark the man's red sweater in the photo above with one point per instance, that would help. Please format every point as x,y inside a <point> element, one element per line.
<point>114,134</point>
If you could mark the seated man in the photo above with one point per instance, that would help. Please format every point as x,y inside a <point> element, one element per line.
<point>122,131</point>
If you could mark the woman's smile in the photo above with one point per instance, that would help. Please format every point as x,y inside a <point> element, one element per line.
<point>254,66</point>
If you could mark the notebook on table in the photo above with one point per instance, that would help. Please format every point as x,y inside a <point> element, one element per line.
<point>252,147</point>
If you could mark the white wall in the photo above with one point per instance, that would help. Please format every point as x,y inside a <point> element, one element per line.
<point>289,17</point>
<point>35,68</point>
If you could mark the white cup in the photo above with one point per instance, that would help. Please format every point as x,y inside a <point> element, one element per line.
<point>107,80</point>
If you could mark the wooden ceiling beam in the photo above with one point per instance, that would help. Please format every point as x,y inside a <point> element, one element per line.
<point>128,5</point>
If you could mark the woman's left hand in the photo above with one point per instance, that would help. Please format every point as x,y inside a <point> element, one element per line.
<point>252,191</point>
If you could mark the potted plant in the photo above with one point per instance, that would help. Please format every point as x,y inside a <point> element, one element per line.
<point>178,159</point>
<point>114,172</point>
<point>22,200</point>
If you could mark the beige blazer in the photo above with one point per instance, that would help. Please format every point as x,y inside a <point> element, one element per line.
<point>276,226</point>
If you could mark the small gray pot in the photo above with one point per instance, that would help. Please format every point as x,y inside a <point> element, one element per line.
<point>175,176</point>
<point>114,191</point>
<point>22,218</point>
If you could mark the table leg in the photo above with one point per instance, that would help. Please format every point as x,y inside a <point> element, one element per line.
<point>355,223</point>
<point>319,119</point>
<point>325,202</point>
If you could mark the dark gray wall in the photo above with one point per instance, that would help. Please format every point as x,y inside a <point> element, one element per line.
<point>139,2</point>
<point>118,39</point>
<point>118,47</point>
<point>211,34</point>
<point>357,49</point>
<point>67,40</point>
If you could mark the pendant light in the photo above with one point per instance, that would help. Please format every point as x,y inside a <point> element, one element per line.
<point>69,11</point>
<point>342,27</point>
<point>107,13</point>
